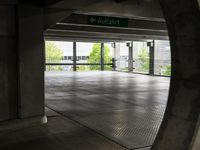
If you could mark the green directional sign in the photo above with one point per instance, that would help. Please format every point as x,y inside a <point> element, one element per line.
<point>108,21</point>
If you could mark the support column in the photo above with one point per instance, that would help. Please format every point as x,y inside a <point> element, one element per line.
<point>117,54</point>
<point>116,51</point>
<point>151,57</point>
<point>8,63</point>
<point>130,57</point>
<point>102,56</point>
<point>30,60</point>
<point>74,56</point>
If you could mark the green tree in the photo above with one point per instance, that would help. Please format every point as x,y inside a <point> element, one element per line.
<point>95,57</point>
<point>166,70</point>
<point>82,68</point>
<point>53,55</point>
<point>143,57</point>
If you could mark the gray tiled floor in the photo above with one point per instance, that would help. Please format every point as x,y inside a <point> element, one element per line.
<point>125,108</point>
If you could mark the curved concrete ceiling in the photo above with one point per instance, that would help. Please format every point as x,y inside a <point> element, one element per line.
<point>145,19</point>
<point>145,9</point>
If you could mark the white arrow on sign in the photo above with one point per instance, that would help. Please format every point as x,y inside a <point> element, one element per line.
<point>92,20</point>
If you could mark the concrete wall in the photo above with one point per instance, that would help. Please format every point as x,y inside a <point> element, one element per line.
<point>8,63</point>
<point>196,139</point>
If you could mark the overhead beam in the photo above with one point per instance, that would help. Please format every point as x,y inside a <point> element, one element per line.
<point>97,36</point>
<point>87,39</point>
<point>82,20</point>
<point>145,9</point>
<point>94,39</point>
<point>107,30</point>
<point>53,16</point>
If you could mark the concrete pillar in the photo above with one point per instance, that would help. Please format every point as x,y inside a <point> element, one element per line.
<point>31,60</point>
<point>130,57</point>
<point>74,56</point>
<point>8,63</point>
<point>117,53</point>
<point>102,56</point>
<point>151,46</point>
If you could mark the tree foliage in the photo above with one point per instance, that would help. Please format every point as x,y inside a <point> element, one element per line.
<point>166,70</point>
<point>53,55</point>
<point>95,57</point>
<point>143,57</point>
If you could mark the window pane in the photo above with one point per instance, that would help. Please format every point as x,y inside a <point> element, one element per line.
<point>162,63</point>
<point>122,59</point>
<point>141,57</point>
<point>58,52</point>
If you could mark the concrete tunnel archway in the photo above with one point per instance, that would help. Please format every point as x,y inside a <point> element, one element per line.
<point>25,21</point>
<point>181,116</point>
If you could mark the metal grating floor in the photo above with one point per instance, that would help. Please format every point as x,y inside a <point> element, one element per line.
<point>125,108</point>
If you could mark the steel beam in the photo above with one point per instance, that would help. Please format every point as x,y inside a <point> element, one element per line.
<point>130,57</point>
<point>151,57</point>
<point>74,56</point>
<point>107,30</point>
<point>102,56</point>
<point>61,35</point>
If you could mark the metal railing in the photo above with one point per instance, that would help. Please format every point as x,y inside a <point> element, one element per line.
<point>62,63</point>
<point>161,67</point>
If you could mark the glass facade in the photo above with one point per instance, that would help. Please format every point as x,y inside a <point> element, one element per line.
<point>122,59</point>
<point>60,56</point>
<point>59,53</point>
<point>140,57</point>
<point>84,57</point>
<point>162,58</point>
